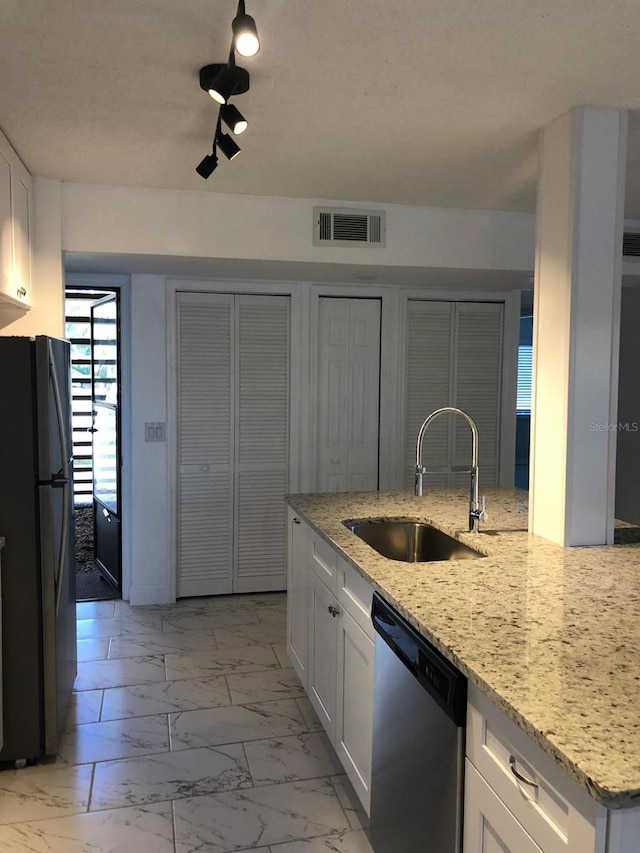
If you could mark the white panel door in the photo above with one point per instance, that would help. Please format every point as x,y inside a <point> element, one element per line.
<point>262,441</point>
<point>348,394</point>
<point>205,444</point>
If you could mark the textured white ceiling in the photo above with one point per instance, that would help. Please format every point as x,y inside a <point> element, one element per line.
<point>425,102</point>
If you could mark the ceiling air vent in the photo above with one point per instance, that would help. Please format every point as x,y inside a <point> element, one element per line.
<point>343,227</point>
<point>631,244</point>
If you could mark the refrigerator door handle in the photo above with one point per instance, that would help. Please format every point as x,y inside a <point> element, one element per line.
<point>64,480</point>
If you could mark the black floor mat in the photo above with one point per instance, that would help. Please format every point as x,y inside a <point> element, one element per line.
<point>90,584</point>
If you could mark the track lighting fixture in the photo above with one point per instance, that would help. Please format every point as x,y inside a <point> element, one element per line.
<point>207,165</point>
<point>233,118</point>
<point>245,32</point>
<point>224,80</point>
<point>227,145</point>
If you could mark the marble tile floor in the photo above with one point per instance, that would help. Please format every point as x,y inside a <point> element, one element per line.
<point>188,733</point>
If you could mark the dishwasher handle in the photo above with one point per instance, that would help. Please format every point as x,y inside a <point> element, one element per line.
<point>439,678</point>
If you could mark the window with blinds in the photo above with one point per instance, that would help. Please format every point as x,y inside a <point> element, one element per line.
<point>525,367</point>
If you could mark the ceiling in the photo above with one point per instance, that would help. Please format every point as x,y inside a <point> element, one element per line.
<point>418,102</point>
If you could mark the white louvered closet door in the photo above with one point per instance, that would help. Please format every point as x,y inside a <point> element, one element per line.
<point>205,444</point>
<point>262,441</point>
<point>348,394</point>
<point>478,385</point>
<point>429,380</point>
<point>454,358</point>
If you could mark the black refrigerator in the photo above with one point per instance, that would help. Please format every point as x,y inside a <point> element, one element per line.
<point>37,568</point>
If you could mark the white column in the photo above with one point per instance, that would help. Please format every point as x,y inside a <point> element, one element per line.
<point>580,218</point>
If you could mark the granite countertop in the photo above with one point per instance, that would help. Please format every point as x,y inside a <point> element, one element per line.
<point>550,634</point>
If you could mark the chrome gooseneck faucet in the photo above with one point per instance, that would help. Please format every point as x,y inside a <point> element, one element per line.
<point>476,512</point>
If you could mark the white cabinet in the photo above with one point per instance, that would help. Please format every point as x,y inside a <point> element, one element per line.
<point>516,793</point>
<point>16,216</point>
<point>335,658</point>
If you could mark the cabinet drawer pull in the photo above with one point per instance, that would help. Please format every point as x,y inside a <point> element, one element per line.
<point>333,610</point>
<point>519,776</point>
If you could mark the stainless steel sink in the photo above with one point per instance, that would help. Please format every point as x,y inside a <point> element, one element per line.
<point>410,541</point>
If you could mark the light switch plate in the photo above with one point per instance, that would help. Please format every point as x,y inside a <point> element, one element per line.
<point>155,431</point>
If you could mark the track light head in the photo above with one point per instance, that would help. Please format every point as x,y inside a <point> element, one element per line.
<point>245,34</point>
<point>233,118</point>
<point>222,81</point>
<point>207,165</point>
<point>227,145</point>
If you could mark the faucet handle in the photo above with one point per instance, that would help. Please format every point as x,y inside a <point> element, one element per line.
<point>481,512</point>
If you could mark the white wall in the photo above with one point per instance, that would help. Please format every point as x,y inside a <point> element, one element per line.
<point>133,220</point>
<point>147,525</point>
<point>114,220</point>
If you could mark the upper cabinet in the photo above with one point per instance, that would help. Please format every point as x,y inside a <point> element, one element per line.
<point>16,216</point>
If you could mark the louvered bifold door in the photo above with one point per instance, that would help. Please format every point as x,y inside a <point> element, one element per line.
<point>478,384</point>
<point>262,441</point>
<point>428,385</point>
<point>205,444</point>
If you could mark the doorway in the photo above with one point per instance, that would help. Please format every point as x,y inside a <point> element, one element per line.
<point>92,326</point>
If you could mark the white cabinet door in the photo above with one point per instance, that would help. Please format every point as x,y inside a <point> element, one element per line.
<point>6,231</point>
<point>489,826</point>
<point>348,394</point>
<point>15,228</point>
<point>298,597</point>
<point>323,652</point>
<point>21,210</point>
<point>354,713</point>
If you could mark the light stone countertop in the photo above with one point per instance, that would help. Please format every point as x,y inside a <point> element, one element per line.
<point>550,634</point>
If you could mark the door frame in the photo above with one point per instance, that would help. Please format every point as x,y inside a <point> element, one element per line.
<point>100,281</point>
<point>96,406</point>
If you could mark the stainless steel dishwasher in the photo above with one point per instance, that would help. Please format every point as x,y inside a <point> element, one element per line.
<point>419,713</point>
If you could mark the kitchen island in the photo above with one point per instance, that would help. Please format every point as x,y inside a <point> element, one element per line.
<point>551,635</point>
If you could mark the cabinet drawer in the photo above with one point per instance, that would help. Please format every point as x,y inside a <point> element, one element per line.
<point>323,560</point>
<point>554,810</point>
<point>355,594</point>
